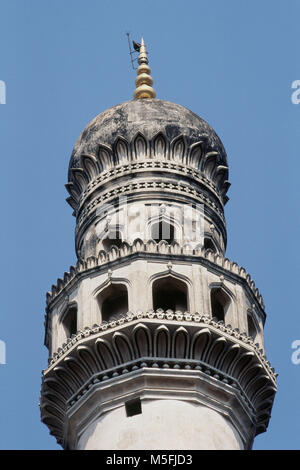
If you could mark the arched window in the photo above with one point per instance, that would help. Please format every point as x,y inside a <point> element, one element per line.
<point>69,321</point>
<point>170,293</point>
<point>220,302</point>
<point>252,331</point>
<point>113,302</point>
<point>113,238</point>
<point>163,231</point>
<point>209,244</point>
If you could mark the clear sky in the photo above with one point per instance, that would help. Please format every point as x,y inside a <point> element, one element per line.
<point>63,62</point>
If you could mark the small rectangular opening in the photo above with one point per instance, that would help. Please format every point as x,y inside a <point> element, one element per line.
<point>133,407</point>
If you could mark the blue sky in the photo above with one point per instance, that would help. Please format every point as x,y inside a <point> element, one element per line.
<point>233,63</point>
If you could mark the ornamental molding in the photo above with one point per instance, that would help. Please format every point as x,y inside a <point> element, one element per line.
<point>152,166</point>
<point>150,248</point>
<point>168,315</point>
<point>144,186</point>
<point>207,165</point>
<point>156,340</point>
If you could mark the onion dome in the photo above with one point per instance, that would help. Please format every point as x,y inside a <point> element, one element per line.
<point>146,129</point>
<point>166,149</point>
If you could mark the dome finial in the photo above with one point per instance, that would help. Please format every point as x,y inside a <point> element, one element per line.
<point>144,80</point>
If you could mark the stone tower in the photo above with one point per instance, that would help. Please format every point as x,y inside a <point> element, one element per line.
<point>155,338</point>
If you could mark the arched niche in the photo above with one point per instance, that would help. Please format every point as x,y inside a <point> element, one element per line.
<point>220,302</point>
<point>69,320</point>
<point>253,329</point>
<point>167,225</point>
<point>113,301</point>
<point>209,244</point>
<point>163,230</point>
<point>169,292</point>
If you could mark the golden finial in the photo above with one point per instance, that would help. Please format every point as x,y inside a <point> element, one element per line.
<point>144,80</point>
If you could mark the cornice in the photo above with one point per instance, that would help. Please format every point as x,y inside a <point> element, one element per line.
<point>157,340</point>
<point>153,167</point>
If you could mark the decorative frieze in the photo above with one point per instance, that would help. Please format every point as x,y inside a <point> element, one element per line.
<point>204,166</point>
<point>159,249</point>
<point>157,340</point>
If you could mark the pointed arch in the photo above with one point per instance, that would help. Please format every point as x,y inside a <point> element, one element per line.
<point>164,226</point>
<point>253,328</point>
<point>170,291</point>
<point>221,299</point>
<point>69,319</point>
<point>112,299</point>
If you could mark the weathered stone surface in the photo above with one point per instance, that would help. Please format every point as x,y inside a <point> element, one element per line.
<point>178,425</point>
<point>148,117</point>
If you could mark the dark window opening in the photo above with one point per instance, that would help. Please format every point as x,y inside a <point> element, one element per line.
<point>251,327</point>
<point>133,407</point>
<point>113,302</point>
<point>163,231</point>
<point>170,293</point>
<point>209,245</point>
<point>113,238</point>
<point>219,304</point>
<point>70,321</point>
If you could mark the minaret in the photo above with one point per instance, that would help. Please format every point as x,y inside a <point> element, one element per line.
<point>155,338</point>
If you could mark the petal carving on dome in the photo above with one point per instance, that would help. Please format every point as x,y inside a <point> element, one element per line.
<point>73,190</point>
<point>160,147</point>
<point>80,178</point>
<point>72,203</point>
<point>220,175</point>
<point>105,157</point>
<point>209,163</point>
<point>121,151</point>
<point>178,149</point>
<point>89,164</point>
<point>195,155</point>
<point>140,147</point>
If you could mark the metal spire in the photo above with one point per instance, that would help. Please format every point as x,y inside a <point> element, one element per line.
<point>144,80</point>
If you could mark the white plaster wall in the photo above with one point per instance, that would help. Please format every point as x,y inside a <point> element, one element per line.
<point>163,424</point>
